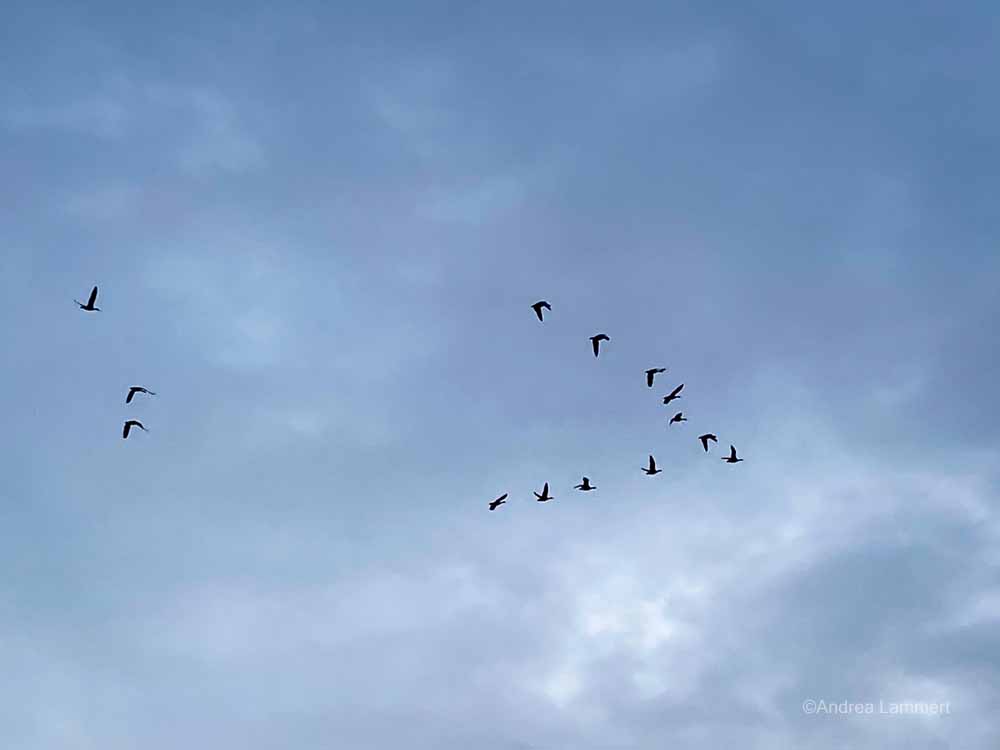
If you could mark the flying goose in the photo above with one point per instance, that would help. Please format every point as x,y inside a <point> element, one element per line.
<point>137,389</point>
<point>652,373</point>
<point>89,307</point>
<point>651,469</point>
<point>673,394</point>
<point>545,494</point>
<point>537,307</point>
<point>129,425</point>
<point>596,341</point>
<point>705,438</point>
<point>731,458</point>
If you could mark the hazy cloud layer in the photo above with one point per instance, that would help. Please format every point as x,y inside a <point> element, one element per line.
<point>317,233</point>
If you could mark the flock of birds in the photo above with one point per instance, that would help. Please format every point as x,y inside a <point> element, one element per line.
<point>91,306</point>
<point>543,496</point>
<point>650,469</point>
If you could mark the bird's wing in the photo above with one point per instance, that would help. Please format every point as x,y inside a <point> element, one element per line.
<point>93,297</point>
<point>652,463</point>
<point>732,451</point>
<point>131,393</point>
<point>676,390</point>
<point>649,378</point>
<point>597,344</point>
<point>502,497</point>
<point>538,311</point>
<point>128,426</point>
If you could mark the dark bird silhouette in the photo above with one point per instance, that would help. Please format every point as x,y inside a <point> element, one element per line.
<point>651,469</point>
<point>596,341</point>
<point>537,307</point>
<point>673,394</point>
<point>650,374</point>
<point>586,486</point>
<point>137,389</point>
<point>498,502</point>
<point>129,425</point>
<point>678,417</point>
<point>705,438</point>
<point>544,497</point>
<point>89,307</point>
<point>731,458</point>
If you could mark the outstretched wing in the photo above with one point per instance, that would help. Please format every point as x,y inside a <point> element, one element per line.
<point>649,378</point>
<point>538,311</point>
<point>652,464</point>
<point>596,343</point>
<point>93,297</point>
<point>131,393</point>
<point>125,430</point>
<point>675,391</point>
<point>732,451</point>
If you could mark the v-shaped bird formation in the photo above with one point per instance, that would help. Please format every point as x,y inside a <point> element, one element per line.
<point>585,485</point>
<point>651,468</point>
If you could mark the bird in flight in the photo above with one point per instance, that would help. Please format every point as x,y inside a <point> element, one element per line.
<point>89,307</point>
<point>537,307</point>
<point>673,394</point>
<point>652,373</point>
<point>678,417</point>
<point>596,341</point>
<point>545,494</point>
<point>651,469</point>
<point>705,438</point>
<point>129,425</point>
<point>586,486</point>
<point>498,502</point>
<point>731,458</point>
<point>137,389</point>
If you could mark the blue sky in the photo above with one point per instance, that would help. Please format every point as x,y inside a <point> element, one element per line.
<point>317,230</point>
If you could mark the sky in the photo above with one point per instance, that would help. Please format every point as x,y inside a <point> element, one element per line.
<point>317,229</point>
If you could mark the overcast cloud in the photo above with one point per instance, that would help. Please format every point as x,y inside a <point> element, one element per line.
<point>317,230</point>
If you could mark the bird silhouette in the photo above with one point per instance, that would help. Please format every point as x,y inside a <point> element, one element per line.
<point>537,307</point>
<point>498,502</point>
<point>678,417</point>
<point>705,438</point>
<point>651,469</point>
<point>673,394</point>
<point>586,486</point>
<point>129,425</point>
<point>652,373</point>
<point>731,458</point>
<point>89,307</point>
<point>544,497</point>
<point>137,389</point>
<point>596,341</point>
